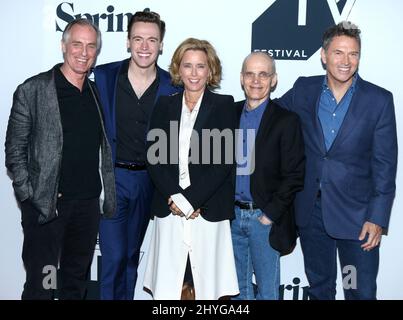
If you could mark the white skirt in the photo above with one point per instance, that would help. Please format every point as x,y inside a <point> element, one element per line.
<point>209,246</point>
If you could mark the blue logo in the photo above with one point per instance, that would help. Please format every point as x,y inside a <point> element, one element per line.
<point>293,29</point>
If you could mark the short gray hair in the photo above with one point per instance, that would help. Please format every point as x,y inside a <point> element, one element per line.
<point>82,22</point>
<point>344,28</point>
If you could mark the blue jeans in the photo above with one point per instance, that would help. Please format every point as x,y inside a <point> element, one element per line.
<point>253,253</point>
<point>320,259</point>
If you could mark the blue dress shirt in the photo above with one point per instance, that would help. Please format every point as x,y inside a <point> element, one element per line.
<point>249,121</point>
<point>331,114</point>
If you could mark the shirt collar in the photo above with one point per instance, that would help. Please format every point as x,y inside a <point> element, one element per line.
<point>62,82</point>
<point>258,110</point>
<point>196,107</point>
<point>352,87</point>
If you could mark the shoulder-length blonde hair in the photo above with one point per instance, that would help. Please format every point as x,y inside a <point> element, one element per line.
<point>213,61</point>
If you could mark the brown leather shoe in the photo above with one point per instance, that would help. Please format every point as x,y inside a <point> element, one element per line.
<point>188,292</point>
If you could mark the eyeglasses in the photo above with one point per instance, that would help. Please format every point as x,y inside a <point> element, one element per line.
<point>248,75</point>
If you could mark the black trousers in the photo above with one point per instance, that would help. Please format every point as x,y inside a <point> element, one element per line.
<point>67,242</point>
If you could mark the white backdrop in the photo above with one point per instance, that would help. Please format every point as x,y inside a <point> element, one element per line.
<point>31,44</point>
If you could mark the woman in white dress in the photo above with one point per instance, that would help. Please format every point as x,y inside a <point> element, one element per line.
<point>191,162</point>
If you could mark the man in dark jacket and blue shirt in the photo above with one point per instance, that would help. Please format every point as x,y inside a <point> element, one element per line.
<point>266,183</point>
<point>129,90</point>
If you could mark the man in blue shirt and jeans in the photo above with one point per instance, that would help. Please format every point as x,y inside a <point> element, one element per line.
<point>270,170</point>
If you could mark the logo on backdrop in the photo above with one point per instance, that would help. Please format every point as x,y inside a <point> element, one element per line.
<point>108,21</point>
<point>293,29</point>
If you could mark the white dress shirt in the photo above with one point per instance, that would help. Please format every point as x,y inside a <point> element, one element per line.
<point>174,238</point>
<point>188,119</point>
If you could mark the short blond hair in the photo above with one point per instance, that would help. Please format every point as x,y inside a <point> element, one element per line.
<point>213,61</point>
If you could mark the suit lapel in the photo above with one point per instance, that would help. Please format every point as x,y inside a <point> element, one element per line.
<point>349,121</point>
<point>204,110</point>
<point>54,121</point>
<point>320,139</point>
<point>175,108</point>
<point>268,118</point>
<point>351,117</point>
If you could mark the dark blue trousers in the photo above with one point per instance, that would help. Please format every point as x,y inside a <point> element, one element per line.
<point>121,236</point>
<point>320,258</point>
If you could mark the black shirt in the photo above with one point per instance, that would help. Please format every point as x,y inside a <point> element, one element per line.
<point>82,134</point>
<point>132,117</point>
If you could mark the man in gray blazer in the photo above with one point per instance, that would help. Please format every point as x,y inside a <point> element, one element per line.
<point>56,148</point>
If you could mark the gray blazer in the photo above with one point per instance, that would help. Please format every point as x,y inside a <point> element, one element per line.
<point>34,143</point>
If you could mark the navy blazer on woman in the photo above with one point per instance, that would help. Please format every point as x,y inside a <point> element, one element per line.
<point>212,184</point>
<point>279,172</point>
<point>357,174</point>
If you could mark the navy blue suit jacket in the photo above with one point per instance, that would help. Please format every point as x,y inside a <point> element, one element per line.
<point>106,79</point>
<point>357,174</point>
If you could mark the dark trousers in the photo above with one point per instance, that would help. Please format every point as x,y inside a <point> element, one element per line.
<point>120,237</point>
<point>320,253</point>
<point>67,242</point>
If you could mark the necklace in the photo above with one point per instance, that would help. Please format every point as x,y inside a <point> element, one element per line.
<point>191,103</point>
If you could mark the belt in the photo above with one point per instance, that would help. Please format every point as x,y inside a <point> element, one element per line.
<point>130,166</point>
<point>246,205</point>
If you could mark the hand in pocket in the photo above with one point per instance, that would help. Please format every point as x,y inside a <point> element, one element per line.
<point>263,219</point>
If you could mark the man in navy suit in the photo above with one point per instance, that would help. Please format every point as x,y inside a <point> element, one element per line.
<point>128,91</point>
<point>351,157</point>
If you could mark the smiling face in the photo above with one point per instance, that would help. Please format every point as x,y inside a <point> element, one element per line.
<point>341,58</point>
<point>194,71</point>
<point>144,44</point>
<point>79,50</point>
<point>257,78</point>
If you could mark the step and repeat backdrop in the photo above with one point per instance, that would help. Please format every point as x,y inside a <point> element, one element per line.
<point>290,30</point>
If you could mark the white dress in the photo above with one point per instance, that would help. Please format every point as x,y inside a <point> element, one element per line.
<point>208,244</point>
